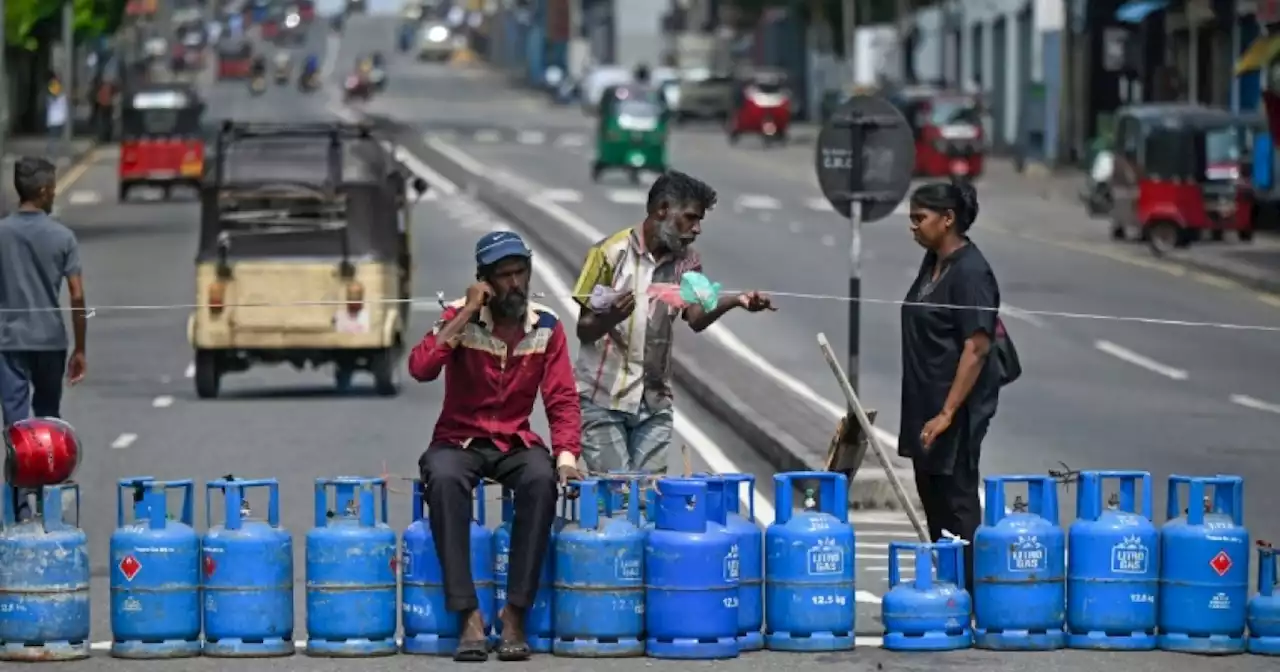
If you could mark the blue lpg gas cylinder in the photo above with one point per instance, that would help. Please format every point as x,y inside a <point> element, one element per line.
<point>44,579</point>
<point>351,571</point>
<point>430,629</point>
<point>155,573</point>
<point>931,612</point>
<point>1264,608</point>
<point>1204,568</point>
<point>809,566</point>
<point>1019,569</point>
<point>538,619</point>
<point>691,601</point>
<point>248,575</point>
<point>599,578</point>
<point>750,560</point>
<point>1114,574</point>
<point>719,493</point>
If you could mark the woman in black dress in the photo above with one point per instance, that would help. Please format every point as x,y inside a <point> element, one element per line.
<point>950,377</point>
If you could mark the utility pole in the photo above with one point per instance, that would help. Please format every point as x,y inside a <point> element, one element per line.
<point>69,67</point>
<point>850,16</point>
<point>905,46</point>
<point>4,88</point>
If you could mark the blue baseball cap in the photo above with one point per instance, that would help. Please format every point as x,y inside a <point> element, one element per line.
<point>499,245</point>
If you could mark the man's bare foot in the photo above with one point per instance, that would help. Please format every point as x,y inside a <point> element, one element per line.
<point>472,626</point>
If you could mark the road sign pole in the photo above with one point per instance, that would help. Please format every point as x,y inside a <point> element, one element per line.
<point>855,252</point>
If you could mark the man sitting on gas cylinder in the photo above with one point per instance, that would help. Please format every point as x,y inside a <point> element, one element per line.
<point>497,351</point>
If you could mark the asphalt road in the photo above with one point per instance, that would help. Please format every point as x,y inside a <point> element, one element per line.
<point>1097,392</point>
<point>138,413</point>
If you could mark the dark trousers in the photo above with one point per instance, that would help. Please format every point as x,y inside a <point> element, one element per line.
<point>449,475</point>
<point>31,384</point>
<point>951,503</point>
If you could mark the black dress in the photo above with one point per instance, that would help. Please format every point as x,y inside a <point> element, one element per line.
<point>933,338</point>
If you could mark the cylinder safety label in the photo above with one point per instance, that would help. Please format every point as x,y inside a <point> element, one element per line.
<point>1028,555</point>
<point>826,557</point>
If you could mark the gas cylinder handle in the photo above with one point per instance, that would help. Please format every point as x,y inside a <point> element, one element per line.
<point>1267,564</point>
<point>1228,497</point>
<point>832,488</point>
<point>51,506</point>
<point>353,491</point>
<point>1089,503</point>
<point>478,494</point>
<point>417,507</point>
<point>157,502</point>
<point>717,510</point>
<point>733,504</point>
<point>233,491</point>
<point>588,502</point>
<point>635,490</point>
<point>1042,491</point>
<point>508,506</point>
<point>135,483</point>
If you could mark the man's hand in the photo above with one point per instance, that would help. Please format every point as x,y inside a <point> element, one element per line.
<point>621,307</point>
<point>478,295</point>
<point>76,367</point>
<point>755,302</point>
<point>934,428</point>
<point>567,473</point>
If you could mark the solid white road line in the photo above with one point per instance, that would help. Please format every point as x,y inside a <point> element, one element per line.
<point>757,202</point>
<point>562,195</point>
<point>628,197</point>
<point>1127,355</point>
<point>124,441</point>
<point>1256,404</point>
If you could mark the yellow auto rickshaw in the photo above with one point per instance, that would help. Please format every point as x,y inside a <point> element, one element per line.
<point>304,254</point>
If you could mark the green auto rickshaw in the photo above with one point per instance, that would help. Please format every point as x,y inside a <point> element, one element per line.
<point>632,135</point>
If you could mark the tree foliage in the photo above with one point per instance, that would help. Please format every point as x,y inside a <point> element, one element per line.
<point>23,18</point>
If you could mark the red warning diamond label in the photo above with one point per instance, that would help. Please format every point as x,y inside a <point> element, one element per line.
<point>129,567</point>
<point>1221,563</point>
<point>394,564</point>
<point>209,566</point>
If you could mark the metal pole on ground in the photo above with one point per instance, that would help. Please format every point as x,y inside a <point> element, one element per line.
<point>69,69</point>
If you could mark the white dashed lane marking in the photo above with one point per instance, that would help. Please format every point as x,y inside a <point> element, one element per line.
<point>164,401</point>
<point>1256,404</point>
<point>124,441</point>
<point>1126,355</point>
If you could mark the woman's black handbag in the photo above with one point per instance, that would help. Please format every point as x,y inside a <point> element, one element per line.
<point>1006,355</point>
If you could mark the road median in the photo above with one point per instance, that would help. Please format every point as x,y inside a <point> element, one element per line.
<point>765,433</point>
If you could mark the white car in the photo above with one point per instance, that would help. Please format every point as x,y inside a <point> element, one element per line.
<point>597,80</point>
<point>435,42</point>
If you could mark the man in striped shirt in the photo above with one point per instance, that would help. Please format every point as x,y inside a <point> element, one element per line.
<point>623,371</point>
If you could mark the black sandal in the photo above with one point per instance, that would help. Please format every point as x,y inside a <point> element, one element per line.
<point>514,652</point>
<point>471,651</point>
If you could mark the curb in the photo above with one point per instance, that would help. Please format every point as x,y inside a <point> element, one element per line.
<point>871,489</point>
<point>1261,284</point>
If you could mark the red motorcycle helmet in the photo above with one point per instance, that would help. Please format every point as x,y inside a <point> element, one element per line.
<point>40,452</point>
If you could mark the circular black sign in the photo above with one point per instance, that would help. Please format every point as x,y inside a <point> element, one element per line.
<point>888,156</point>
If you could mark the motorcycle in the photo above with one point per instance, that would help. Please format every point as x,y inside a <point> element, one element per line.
<point>283,75</point>
<point>378,79</point>
<point>258,85</point>
<point>310,81</point>
<point>356,87</point>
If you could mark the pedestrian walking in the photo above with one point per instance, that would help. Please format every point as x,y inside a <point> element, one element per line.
<point>623,370</point>
<point>37,253</point>
<point>951,372</point>
<point>57,114</point>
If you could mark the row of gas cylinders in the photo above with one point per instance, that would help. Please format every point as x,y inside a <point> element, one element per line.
<point>692,579</point>
<point>1129,586</point>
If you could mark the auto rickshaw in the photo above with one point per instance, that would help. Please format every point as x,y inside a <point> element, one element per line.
<point>632,134</point>
<point>1178,174</point>
<point>761,105</point>
<point>304,254</point>
<point>162,142</point>
<point>948,130</point>
<point>235,58</point>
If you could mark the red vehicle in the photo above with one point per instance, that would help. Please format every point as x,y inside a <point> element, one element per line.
<point>307,10</point>
<point>761,105</point>
<point>235,59</point>
<point>948,130</point>
<point>162,143</point>
<point>1179,174</point>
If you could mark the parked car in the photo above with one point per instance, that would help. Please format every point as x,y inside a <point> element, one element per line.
<point>702,94</point>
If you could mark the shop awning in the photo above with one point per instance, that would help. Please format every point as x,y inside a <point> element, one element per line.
<point>1258,54</point>
<point>1138,10</point>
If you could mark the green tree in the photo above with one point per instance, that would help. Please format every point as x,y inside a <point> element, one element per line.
<point>92,18</point>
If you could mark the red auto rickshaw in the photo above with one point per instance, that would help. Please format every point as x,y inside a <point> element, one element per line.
<point>162,143</point>
<point>235,59</point>
<point>761,105</point>
<point>1179,174</point>
<point>948,130</point>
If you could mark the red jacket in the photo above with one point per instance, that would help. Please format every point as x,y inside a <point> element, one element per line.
<point>489,393</point>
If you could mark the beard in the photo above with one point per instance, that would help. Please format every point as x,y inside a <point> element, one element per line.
<point>511,304</point>
<point>670,237</point>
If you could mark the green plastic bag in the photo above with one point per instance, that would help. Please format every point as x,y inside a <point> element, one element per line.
<point>697,288</point>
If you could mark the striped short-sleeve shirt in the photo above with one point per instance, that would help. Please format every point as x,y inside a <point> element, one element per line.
<point>632,364</point>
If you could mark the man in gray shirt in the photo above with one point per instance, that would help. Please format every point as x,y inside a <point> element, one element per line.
<point>36,254</point>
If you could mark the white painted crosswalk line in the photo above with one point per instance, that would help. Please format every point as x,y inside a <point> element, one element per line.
<point>571,140</point>
<point>628,196</point>
<point>489,136</point>
<point>83,197</point>
<point>531,137</point>
<point>819,204</point>
<point>756,202</point>
<point>562,196</point>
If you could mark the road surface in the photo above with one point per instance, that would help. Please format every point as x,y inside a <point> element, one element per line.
<point>138,413</point>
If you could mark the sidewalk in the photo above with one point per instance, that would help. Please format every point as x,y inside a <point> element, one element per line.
<point>19,146</point>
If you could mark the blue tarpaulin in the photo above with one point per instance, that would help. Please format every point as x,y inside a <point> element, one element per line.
<point>1139,10</point>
